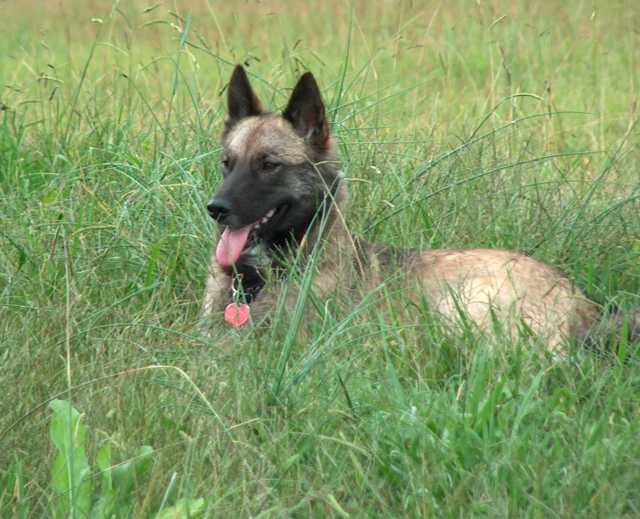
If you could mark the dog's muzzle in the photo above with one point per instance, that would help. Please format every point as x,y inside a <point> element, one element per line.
<point>219,209</point>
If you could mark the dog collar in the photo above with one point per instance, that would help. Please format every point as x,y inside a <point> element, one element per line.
<point>243,291</point>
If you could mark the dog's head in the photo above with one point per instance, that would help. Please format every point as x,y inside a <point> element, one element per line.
<point>277,168</point>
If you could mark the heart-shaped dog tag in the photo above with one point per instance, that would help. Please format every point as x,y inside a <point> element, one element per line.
<point>236,314</point>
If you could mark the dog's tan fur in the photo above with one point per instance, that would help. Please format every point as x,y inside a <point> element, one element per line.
<point>486,286</point>
<point>264,135</point>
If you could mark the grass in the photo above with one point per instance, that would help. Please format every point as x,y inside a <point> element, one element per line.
<point>502,124</point>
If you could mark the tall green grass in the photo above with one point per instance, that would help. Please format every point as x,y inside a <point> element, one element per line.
<point>510,125</point>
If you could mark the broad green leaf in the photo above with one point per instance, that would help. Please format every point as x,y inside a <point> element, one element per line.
<point>184,509</point>
<point>118,482</point>
<point>70,473</point>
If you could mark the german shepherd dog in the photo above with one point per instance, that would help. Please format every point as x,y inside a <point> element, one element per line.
<point>283,194</point>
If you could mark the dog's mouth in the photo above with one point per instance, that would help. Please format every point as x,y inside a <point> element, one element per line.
<point>234,241</point>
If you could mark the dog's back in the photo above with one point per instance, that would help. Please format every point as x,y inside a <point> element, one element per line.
<point>501,288</point>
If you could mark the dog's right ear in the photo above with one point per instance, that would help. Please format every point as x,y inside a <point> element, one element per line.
<point>241,101</point>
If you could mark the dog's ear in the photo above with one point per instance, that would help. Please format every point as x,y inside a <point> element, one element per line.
<point>241,100</point>
<point>305,111</point>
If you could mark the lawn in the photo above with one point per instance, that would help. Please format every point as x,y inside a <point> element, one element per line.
<point>459,124</point>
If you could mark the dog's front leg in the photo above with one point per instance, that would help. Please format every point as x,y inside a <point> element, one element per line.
<point>217,291</point>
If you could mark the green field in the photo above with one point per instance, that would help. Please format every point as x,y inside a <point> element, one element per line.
<point>460,124</point>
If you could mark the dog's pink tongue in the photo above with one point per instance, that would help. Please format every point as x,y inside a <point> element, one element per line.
<point>231,244</point>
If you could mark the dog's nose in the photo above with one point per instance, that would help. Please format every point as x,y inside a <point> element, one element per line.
<point>219,208</point>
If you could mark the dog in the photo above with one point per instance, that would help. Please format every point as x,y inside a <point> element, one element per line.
<point>283,196</point>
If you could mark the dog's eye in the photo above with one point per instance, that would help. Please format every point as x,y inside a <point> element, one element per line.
<point>269,165</point>
<point>225,162</point>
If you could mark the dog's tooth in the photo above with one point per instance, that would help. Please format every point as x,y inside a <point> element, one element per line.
<point>270,213</point>
<point>264,219</point>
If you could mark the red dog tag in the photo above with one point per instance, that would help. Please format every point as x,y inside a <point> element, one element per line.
<point>236,314</point>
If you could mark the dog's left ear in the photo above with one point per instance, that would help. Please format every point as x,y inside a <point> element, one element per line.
<point>305,111</point>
